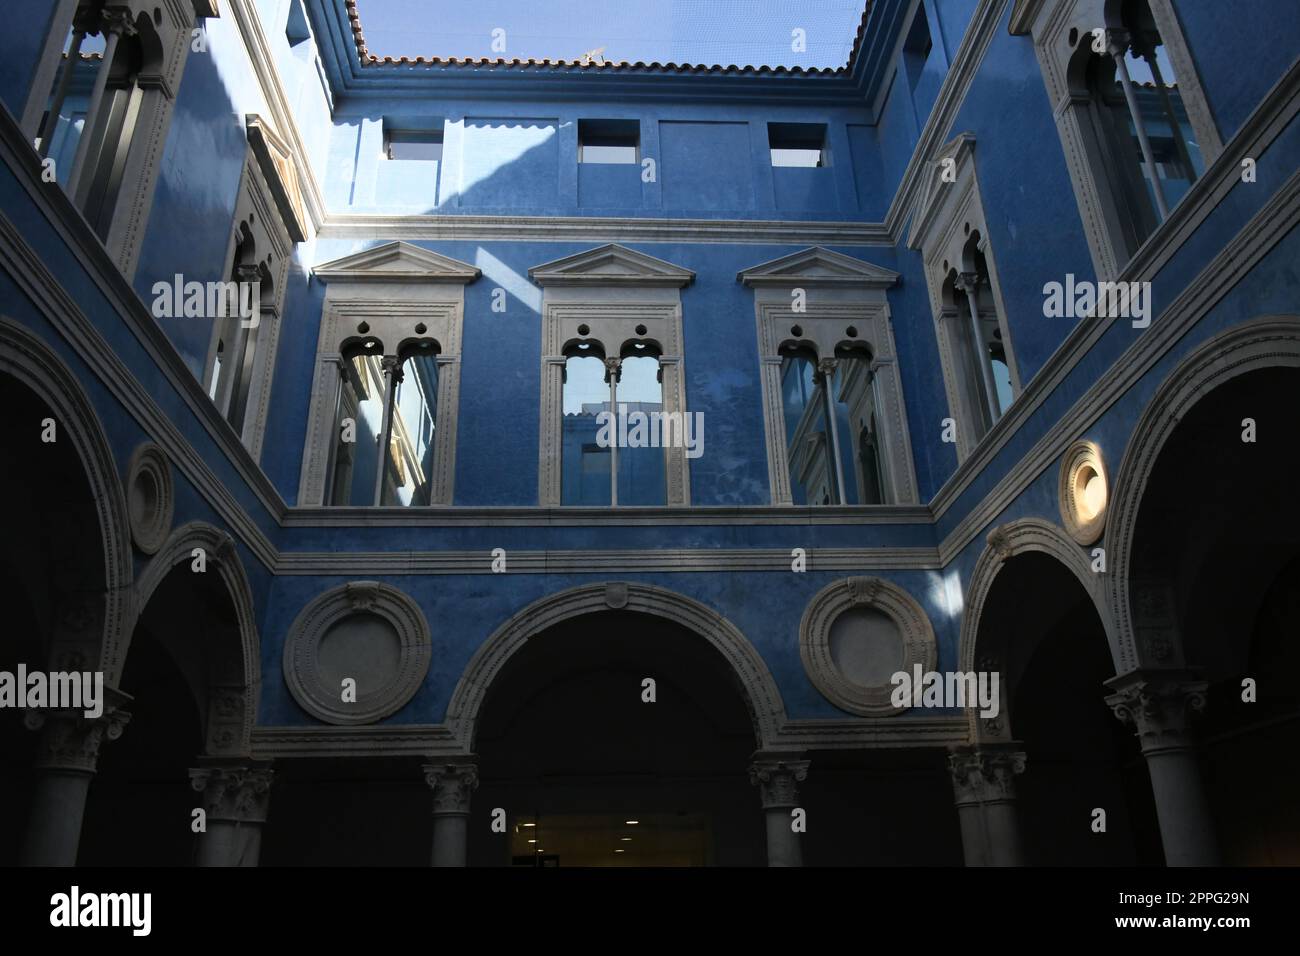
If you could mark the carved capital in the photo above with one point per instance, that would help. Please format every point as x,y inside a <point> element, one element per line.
<point>777,777</point>
<point>237,792</point>
<point>1117,42</point>
<point>119,20</point>
<point>1158,705</point>
<point>613,369</point>
<point>967,282</point>
<point>825,370</point>
<point>392,366</point>
<point>985,774</point>
<point>453,783</point>
<point>70,740</point>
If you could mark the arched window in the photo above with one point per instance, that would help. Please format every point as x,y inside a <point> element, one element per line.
<point>408,466</point>
<point>613,450</point>
<point>1142,126</point>
<point>385,421</point>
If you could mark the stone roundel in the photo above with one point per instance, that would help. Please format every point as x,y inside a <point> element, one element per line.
<point>366,632</point>
<point>150,497</point>
<point>1084,492</point>
<point>855,635</point>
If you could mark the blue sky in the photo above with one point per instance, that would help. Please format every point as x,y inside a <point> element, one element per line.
<point>744,32</point>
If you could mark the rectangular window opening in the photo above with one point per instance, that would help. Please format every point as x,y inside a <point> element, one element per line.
<point>609,141</point>
<point>413,145</point>
<point>798,144</point>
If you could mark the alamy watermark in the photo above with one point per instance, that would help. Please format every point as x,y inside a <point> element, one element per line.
<point>60,690</point>
<point>1083,299</point>
<point>954,690</point>
<point>638,429</point>
<point>179,299</point>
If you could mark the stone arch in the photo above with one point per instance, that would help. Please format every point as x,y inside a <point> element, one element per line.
<point>1267,342</point>
<point>236,706</point>
<point>27,359</point>
<point>762,698</point>
<point>1005,542</point>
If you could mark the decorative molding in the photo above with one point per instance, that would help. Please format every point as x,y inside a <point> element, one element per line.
<point>276,162</point>
<point>396,262</point>
<point>818,267</point>
<point>932,193</point>
<point>919,646</point>
<point>302,652</point>
<point>1158,705</point>
<point>1083,493</point>
<point>672,560</point>
<point>611,266</point>
<point>639,229</point>
<point>150,497</point>
<point>588,516</point>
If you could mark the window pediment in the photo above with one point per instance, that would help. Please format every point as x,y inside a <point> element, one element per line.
<point>276,162</point>
<point>396,262</point>
<point>956,157</point>
<point>611,265</point>
<point>818,267</point>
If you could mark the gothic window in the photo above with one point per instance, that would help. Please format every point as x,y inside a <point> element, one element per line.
<point>381,428</point>
<point>614,427</point>
<point>1134,121</point>
<point>833,406</point>
<point>386,411</point>
<point>100,103</point>
<point>975,350</point>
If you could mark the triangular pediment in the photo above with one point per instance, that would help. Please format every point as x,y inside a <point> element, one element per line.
<point>611,265</point>
<point>818,267</point>
<point>275,160</point>
<point>940,174</point>
<point>396,262</point>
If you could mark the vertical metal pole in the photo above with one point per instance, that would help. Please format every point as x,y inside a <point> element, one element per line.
<point>1118,44</point>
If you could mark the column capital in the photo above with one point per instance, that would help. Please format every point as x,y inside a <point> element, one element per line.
<point>118,19</point>
<point>1117,42</point>
<point>985,774</point>
<point>777,776</point>
<point>236,790</point>
<point>968,282</point>
<point>453,782</point>
<point>613,369</point>
<point>1158,705</point>
<point>70,740</point>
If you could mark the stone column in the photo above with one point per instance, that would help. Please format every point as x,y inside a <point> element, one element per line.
<point>1158,705</point>
<point>983,781</point>
<point>65,762</point>
<point>236,794</point>
<point>453,782</point>
<point>777,777</point>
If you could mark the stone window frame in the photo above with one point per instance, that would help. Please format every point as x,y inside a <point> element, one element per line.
<point>611,290</point>
<point>919,643</point>
<point>840,291</point>
<point>1049,23</point>
<point>269,209</point>
<point>302,651</point>
<point>392,289</point>
<point>947,211</point>
<point>173,31</point>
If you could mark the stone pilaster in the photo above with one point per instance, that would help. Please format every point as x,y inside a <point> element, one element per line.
<point>236,797</point>
<point>1158,705</point>
<point>453,783</point>
<point>778,776</point>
